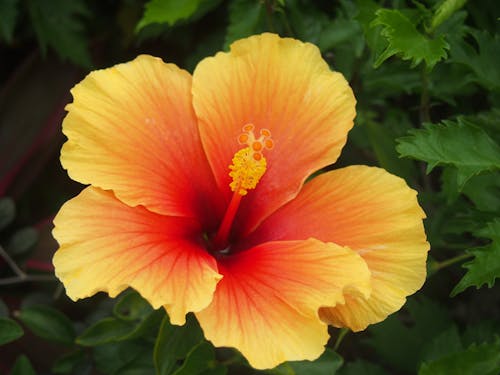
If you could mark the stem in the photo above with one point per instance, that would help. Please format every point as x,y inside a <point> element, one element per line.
<point>26,278</point>
<point>343,332</point>
<point>425,115</point>
<point>269,14</point>
<point>11,263</point>
<point>445,263</point>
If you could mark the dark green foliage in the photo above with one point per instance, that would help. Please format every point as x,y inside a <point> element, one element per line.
<point>8,19</point>
<point>23,366</point>
<point>9,331</point>
<point>48,323</point>
<point>477,359</point>
<point>426,76</point>
<point>58,24</point>
<point>327,364</point>
<point>7,211</point>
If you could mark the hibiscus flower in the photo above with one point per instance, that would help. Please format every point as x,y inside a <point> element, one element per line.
<point>198,200</point>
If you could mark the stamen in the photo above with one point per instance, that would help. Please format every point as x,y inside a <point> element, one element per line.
<point>249,164</point>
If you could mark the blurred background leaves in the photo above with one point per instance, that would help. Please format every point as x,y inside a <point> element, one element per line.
<point>426,75</point>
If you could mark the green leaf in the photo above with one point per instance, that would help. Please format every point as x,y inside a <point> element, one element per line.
<point>485,267</point>
<point>327,364</point>
<point>8,11</point>
<point>384,145</point>
<point>48,323</point>
<point>58,24</point>
<point>9,331</point>
<point>401,345</point>
<point>444,11</point>
<point>131,306</point>
<point>341,31</point>
<point>405,40</point>
<point>367,13</point>
<point>482,359</point>
<point>484,191</point>
<point>174,343</point>
<point>359,367</point>
<point>22,366</point>
<point>104,331</point>
<point>172,11</point>
<point>446,343</point>
<point>22,241</point>
<point>7,211</point>
<point>69,362</point>
<point>460,144</point>
<point>245,18</point>
<point>116,357</point>
<point>201,357</point>
<point>483,61</point>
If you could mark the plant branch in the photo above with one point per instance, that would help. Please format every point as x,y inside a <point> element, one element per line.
<point>11,263</point>
<point>26,278</point>
<point>445,263</point>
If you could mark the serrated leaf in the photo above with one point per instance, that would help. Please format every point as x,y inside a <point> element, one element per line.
<point>172,11</point>
<point>444,11</point>
<point>485,267</point>
<point>482,359</point>
<point>460,144</point>
<point>58,24</point>
<point>8,12</point>
<point>245,19</point>
<point>7,211</point>
<point>174,343</point>
<point>22,366</point>
<point>48,323</point>
<point>483,61</point>
<point>327,364</point>
<point>405,40</point>
<point>9,331</point>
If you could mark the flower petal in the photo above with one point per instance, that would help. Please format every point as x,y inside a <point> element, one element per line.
<point>372,212</point>
<point>106,245</point>
<point>267,304</point>
<point>131,129</point>
<point>282,85</point>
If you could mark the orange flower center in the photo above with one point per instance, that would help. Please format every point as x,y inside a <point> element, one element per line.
<point>247,168</point>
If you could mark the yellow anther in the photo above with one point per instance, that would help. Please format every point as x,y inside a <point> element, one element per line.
<point>249,164</point>
<point>246,170</point>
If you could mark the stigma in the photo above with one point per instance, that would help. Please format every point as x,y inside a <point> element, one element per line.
<point>249,164</point>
